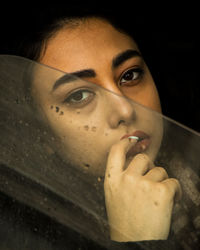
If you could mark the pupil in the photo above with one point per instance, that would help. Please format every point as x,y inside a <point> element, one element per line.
<point>128,76</point>
<point>78,96</point>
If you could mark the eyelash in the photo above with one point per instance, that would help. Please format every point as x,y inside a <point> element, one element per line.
<point>132,82</point>
<point>81,102</point>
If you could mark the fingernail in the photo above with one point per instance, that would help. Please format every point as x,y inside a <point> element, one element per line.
<point>133,138</point>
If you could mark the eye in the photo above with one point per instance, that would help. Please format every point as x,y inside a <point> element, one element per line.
<point>131,76</point>
<point>79,97</point>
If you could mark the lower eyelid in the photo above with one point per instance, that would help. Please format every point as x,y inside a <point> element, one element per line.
<point>83,102</point>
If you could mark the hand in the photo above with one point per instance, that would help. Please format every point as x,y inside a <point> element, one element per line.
<point>139,199</point>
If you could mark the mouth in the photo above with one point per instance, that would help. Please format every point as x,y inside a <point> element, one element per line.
<point>142,144</point>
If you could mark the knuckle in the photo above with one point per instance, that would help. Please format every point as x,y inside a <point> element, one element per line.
<point>163,189</point>
<point>177,185</point>
<point>146,185</point>
<point>161,170</point>
<point>143,157</point>
<point>126,177</point>
<point>176,182</point>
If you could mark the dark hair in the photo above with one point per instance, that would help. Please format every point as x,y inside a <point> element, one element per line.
<point>32,45</point>
<point>161,38</point>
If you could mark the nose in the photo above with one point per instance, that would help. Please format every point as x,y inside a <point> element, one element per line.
<point>121,110</point>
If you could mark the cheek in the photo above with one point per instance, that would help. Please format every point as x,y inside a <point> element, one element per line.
<point>66,126</point>
<point>81,143</point>
<point>149,98</point>
<point>152,123</point>
<point>152,101</point>
<point>145,93</point>
<point>152,97</point>
<point>157,132</point>
<point>74,129</point>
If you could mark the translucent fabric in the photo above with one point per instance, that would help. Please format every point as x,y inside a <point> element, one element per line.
<point>56,132</point>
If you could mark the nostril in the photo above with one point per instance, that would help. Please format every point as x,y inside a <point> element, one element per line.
<point>121,121</point>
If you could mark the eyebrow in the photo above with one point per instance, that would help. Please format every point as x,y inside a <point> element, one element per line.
<point>86,73</point>
<point>125,55</point>
<point>70,77</point>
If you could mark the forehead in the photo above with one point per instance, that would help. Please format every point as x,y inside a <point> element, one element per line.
<point>92,41</point>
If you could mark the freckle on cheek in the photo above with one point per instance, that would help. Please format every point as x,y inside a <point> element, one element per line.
<point>57,109</point>
<point>156,203</point>
<point>61,112</point>
<point>94,129</point>
<point>86,127</point>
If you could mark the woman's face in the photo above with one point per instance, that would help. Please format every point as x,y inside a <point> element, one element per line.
<point>87,119</point>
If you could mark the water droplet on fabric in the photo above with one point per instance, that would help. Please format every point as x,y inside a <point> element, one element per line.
<point>86,165</point>
<point>99,179</point>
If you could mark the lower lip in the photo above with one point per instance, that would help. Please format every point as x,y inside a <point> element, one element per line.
<point>139,147</point>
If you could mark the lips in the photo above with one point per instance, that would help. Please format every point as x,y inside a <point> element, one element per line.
<point>141,145</point>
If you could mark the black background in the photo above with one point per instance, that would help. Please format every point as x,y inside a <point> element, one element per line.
<point>167,38</point>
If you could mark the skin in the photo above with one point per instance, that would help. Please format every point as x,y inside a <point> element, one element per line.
<point>89,126</point>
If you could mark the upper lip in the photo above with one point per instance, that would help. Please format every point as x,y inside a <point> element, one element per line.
<point>142,135</point>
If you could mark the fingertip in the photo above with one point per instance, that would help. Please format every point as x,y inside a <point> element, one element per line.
<point>126,143</point>
<point>117,154</point>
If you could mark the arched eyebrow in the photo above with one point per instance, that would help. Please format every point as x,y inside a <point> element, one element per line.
<point>70,77</point>
<point>125,55</point>
<point>90,73</point>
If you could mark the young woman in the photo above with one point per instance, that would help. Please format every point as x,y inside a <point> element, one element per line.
<point>113,61</point>
<point>96,126</point>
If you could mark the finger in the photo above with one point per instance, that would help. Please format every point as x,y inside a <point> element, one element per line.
<point>157,174</point>
<point>175,188</point>
<point>140,164</point>
<point>117,156</point>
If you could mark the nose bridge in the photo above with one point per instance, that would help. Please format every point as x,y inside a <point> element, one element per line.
<point>120,108</point>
